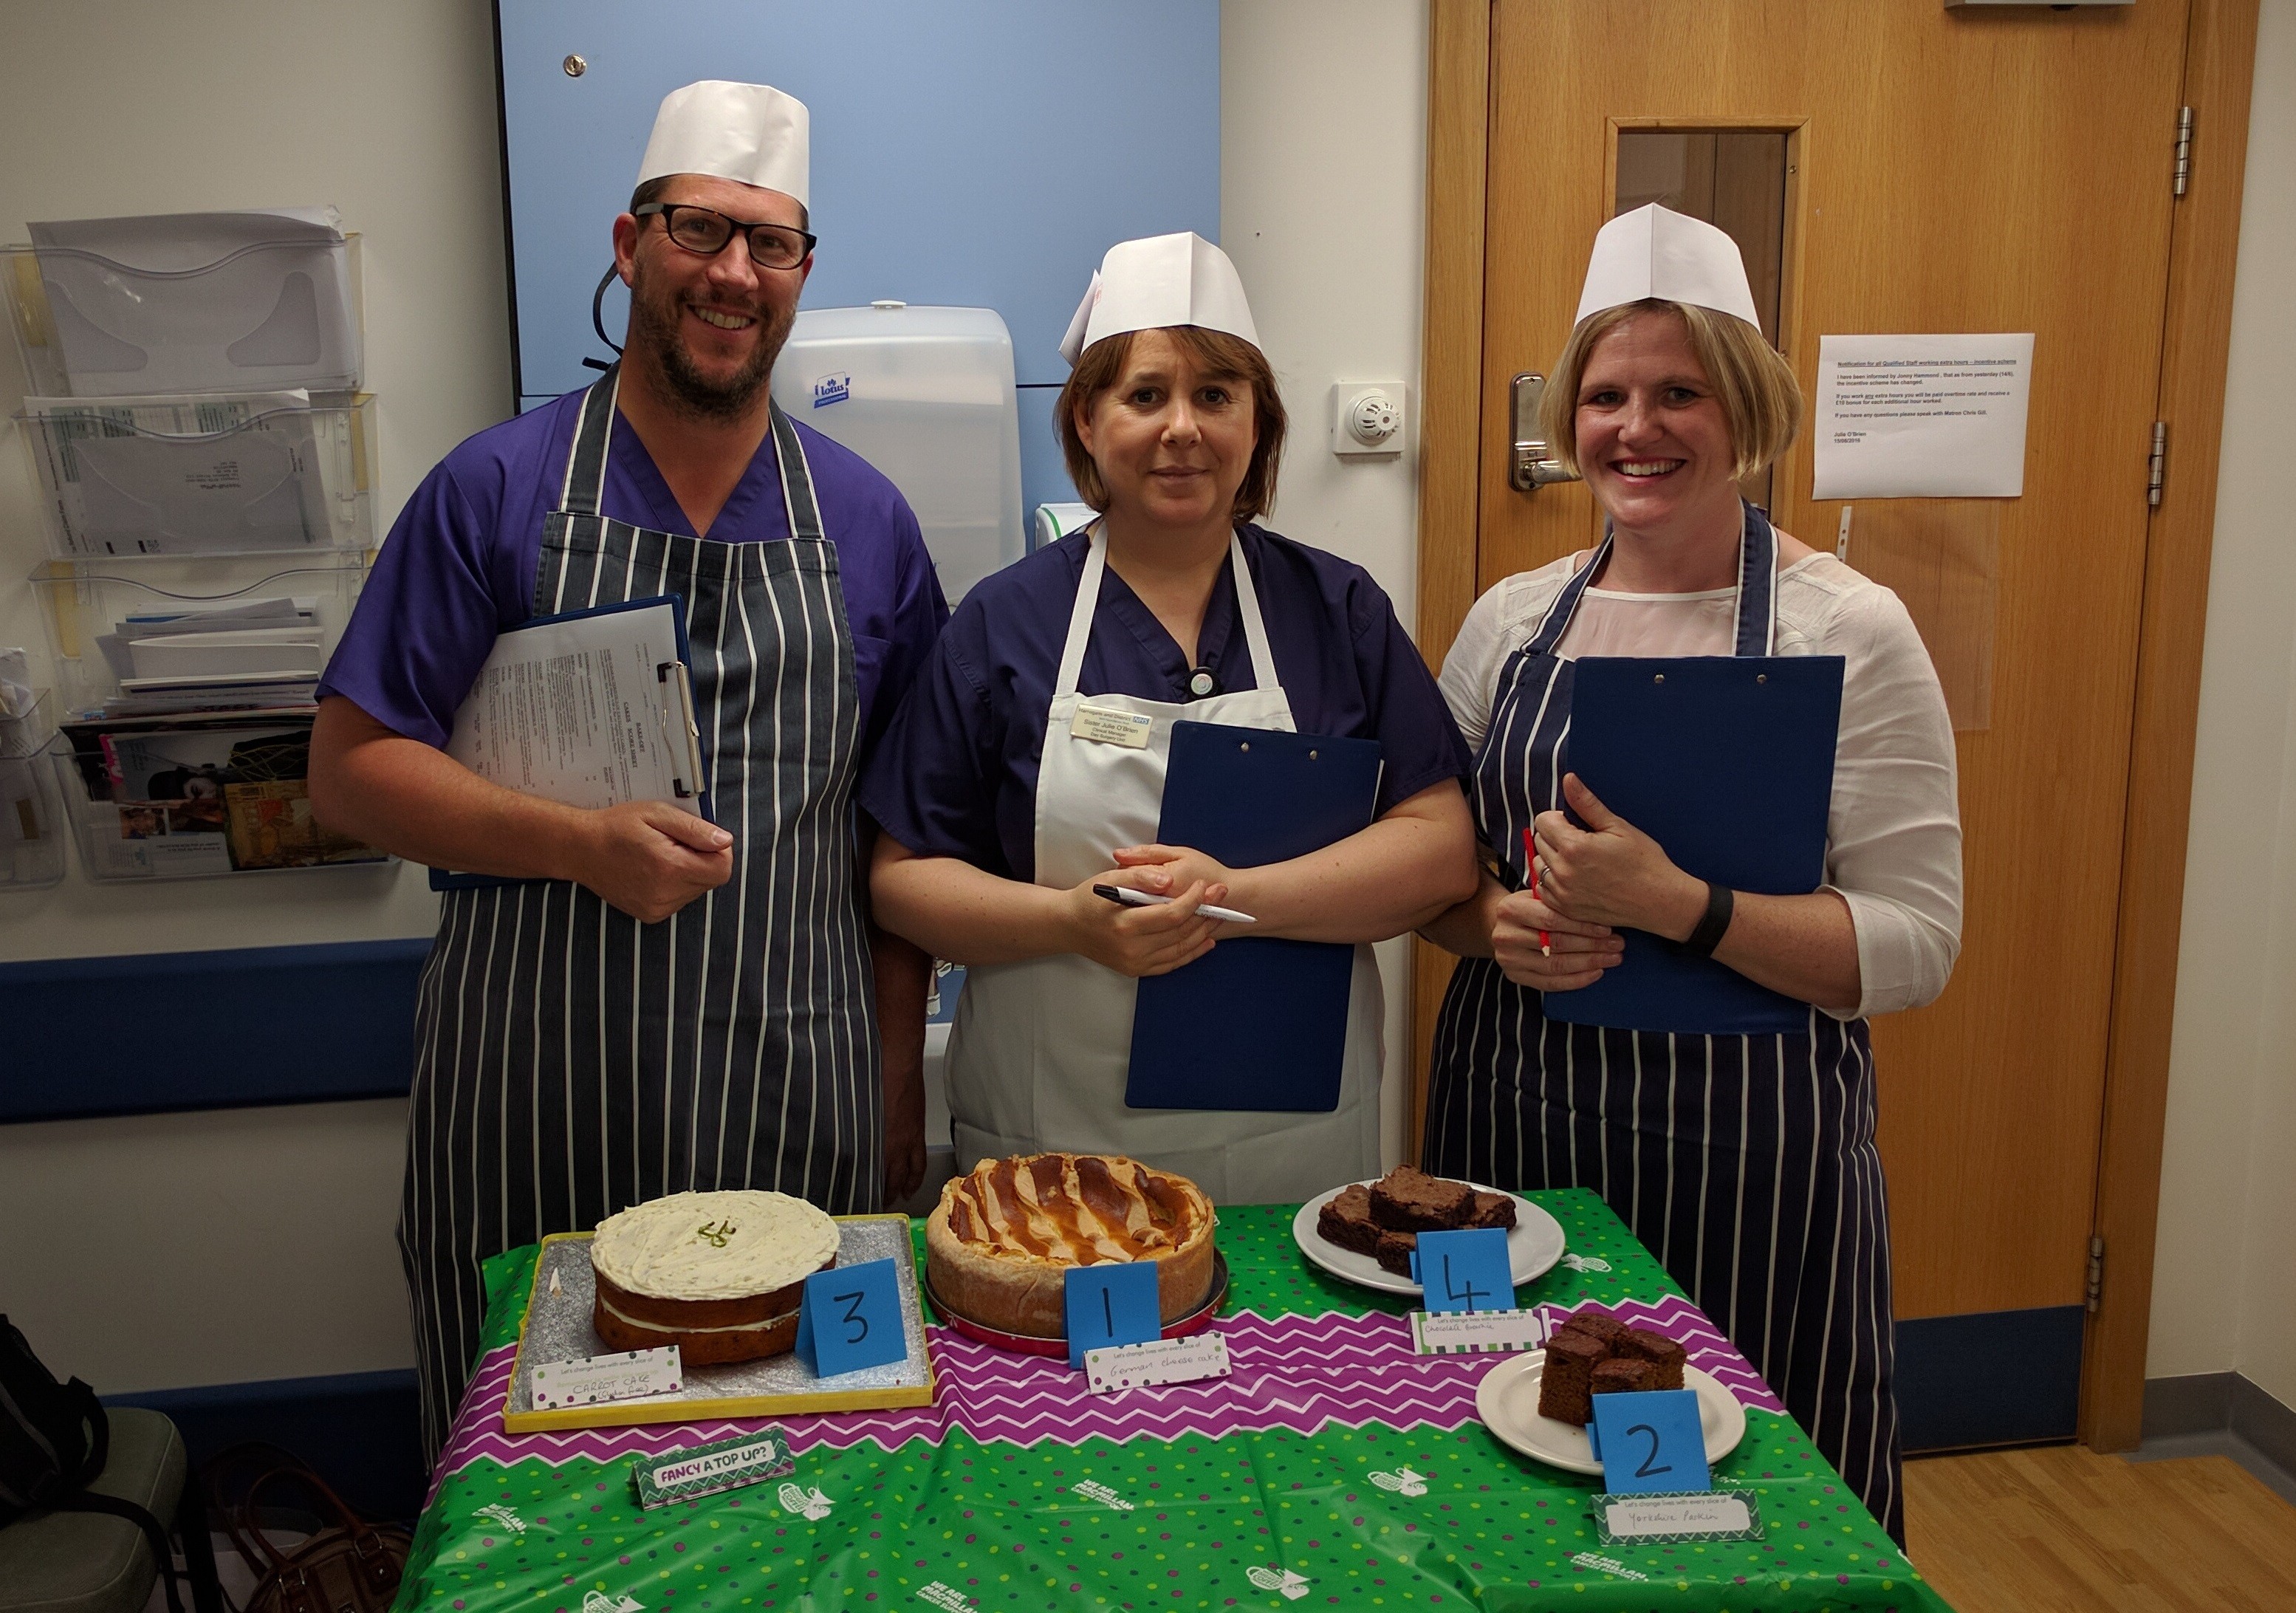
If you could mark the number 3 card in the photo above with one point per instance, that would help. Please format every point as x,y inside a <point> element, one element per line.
<point>1650,1440</point>
<point>850,1318</point>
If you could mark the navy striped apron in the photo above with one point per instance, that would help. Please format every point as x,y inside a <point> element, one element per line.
<point>571,1061</point>
<point>1746,1163</point>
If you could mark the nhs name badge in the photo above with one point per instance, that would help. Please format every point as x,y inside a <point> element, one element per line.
<point>831,389</point>
<point>1106,725</point>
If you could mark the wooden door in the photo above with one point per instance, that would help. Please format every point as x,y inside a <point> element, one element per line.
<point>1966,169</point>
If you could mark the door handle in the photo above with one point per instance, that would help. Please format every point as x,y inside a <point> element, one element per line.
<point>1530,469</point>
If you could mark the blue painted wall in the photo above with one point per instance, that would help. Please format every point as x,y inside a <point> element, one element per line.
<point>981,153</point>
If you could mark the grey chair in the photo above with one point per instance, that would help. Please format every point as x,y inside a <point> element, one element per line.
<point>93,1562</point>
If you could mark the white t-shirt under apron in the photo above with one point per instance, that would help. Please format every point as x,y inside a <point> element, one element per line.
<point>1893,830</point>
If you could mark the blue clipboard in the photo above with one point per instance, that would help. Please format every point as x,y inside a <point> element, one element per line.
<point>443,879</point>
<point>1726,762</point>
<point>1253,1023</point>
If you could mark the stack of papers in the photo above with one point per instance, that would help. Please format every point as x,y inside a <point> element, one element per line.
<point>262,652</point>
<point>181,475</point>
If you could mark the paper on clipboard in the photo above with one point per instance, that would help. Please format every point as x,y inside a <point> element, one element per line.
<point>591,708</point>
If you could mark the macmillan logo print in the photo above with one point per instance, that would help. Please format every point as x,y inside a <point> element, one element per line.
<point>794,1499</point>
<point>1608,1565</point>
<point>942,1596</point>
<point>503,1516</point>
<point>1093,1490</point>
<point>1586,1262</point>
<point>598,1601</point>
<point>1293,1586</point>
<point>1403,1483</point>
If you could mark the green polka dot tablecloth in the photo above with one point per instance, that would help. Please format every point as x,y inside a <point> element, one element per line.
<point>1333,1469</point>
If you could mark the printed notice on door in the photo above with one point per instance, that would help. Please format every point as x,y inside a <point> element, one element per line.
<point>1921,416</point>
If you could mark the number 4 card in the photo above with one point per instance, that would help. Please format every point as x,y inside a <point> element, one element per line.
<point>1650,1440</point>
<point>850,1318</point>
<point>1468,1270</point>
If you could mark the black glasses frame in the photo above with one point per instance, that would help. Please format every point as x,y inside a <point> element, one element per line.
<point>741,227</point>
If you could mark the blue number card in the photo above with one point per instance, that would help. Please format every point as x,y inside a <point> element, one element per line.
<point>850,1318</point>
<point>1650,1440</point>
<point>1466,1270</point>
<point>1111,1304</point>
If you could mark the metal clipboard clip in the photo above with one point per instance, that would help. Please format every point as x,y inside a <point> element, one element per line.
<point>679,729</point>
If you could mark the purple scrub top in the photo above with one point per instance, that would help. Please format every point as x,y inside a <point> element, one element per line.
<point>955,775</point>
<point>460,563</point>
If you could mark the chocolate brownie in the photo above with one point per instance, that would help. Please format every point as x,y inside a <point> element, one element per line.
<point>1622,1374</point>
<point>1492,1209</point>
<point>1409,1201</point>
<point>1394,1252</point>
<point>1598,1325</point>
<point>1566,1380</point>
<point>1346,1220</point>
<point>1665,1356</point>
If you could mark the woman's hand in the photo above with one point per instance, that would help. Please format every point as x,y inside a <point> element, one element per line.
<point>1170,869</point>
<point>1140,941</point>
<point>1579,951</point>
<point>1610,872</point>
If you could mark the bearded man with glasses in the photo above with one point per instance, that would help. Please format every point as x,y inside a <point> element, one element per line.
<point>637,1001</point>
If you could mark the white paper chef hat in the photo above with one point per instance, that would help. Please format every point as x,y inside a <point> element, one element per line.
<point>1159,281</point>
<point>1653,252</point>
<point>751,133</point>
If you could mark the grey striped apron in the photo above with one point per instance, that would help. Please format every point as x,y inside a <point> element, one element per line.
<point>571,1061</point>
<point>1746,1163</point>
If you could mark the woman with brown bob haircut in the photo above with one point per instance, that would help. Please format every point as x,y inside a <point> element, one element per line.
<point>1027,765</point>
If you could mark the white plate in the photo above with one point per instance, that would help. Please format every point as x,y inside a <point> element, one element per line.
<point>1507,1401</point>
<point>1534,1244</point>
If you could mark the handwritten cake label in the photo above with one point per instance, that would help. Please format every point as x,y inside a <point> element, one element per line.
<point>1132,1366</point>
<point>705,1469</point>
<point>1472,1333</point>
<point>594,1380</point>
<point>1656,1519</point>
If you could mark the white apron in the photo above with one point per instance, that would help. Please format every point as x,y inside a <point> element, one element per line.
<point>1038,1055</point>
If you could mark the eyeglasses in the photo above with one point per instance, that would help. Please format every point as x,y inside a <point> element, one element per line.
<point>772,246</point>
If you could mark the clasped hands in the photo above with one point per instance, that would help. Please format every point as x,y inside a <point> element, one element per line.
<point>1140,941</point>
<point>1592,883</point>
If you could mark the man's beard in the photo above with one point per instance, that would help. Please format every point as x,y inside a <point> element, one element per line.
<point>653,328</point>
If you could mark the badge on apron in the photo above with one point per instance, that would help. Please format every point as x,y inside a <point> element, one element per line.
<point>1106,725</point>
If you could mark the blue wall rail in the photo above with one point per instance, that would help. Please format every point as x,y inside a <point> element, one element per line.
<point>184,1030</point>
<point>981,153</point>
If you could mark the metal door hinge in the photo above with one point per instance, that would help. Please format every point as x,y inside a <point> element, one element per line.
<point>1530,469</point>
<point>2156,467</point>
<point>2096,1271</point>
<point>2183,149</point>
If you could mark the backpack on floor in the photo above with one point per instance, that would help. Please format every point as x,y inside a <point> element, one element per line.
<point>54,1440</point>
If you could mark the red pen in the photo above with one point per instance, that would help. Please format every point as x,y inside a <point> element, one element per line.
<point>1531,856</point>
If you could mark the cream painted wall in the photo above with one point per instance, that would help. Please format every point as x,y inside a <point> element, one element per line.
<point>2223,1293</point>
<point>1322,203</point>
<point>101,115</point>
<point>165,1250</point>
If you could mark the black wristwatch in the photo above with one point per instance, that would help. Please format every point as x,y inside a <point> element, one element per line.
<point>1720,904</point>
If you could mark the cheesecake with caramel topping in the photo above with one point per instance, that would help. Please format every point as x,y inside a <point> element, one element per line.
<point>1000,1245</point>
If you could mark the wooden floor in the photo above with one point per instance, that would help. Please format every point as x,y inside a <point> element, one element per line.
<point>2037,1531</point>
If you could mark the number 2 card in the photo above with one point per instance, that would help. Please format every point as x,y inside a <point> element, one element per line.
<point>1650,1440</point>
<point>850,1318</point>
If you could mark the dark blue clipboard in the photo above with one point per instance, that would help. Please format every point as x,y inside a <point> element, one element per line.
<point>1255,1023</point>
<point>1726,762</point>
<point>442,879</point>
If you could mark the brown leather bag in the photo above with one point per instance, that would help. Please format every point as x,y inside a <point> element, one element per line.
<point>349,1566</point>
